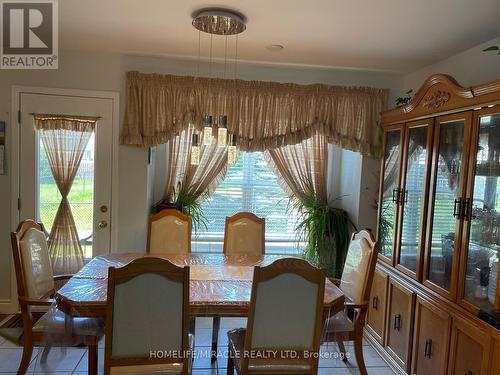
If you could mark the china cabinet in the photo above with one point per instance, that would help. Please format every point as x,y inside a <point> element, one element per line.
<point>439,231</point>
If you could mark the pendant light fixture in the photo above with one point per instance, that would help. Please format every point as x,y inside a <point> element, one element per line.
<point>223,22</point>
<point>222,131</point>
<point>232,150</point>
<point>195,149</point>
<point>207,131</point>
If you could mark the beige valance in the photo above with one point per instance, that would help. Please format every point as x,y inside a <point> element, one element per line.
<point>44,121</point>
<point>264,115</point>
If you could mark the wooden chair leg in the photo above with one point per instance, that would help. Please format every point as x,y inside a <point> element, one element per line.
<point>26,359</point>
<point>192,325</point>
<point>230,364</point>
<point>92,354</point>
<point>45,354</point>
<point>358,351</point>
<point>343,352</point>
<point>215,337</point>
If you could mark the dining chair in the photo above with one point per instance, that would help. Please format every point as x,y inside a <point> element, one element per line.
<point>169,231</point>
<point>36,286</point>
<point>356,284</point>
<point>285,316</point>
<point>244,233</point>
<point>147,319</point>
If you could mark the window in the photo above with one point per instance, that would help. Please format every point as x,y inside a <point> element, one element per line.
<point>81,196</point>
<point>249,186</point>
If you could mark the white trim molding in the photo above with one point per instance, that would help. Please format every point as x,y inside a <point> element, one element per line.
<point>11,305</point>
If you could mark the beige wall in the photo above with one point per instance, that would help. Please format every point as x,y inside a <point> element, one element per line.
<point>137,186</point>
<point>469,68</point>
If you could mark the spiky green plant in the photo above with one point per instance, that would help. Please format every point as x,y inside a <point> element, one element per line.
<point>386,227</point>
<point>325,230</point>
<point>190,204</point>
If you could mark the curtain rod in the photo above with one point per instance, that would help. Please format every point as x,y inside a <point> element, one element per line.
<point>68,117</point>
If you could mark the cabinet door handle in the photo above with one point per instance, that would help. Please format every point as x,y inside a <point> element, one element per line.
<point>457,207</point>
<point>428,349</point>
<point>375,303</point>
<point>395,195</point>
<point>464,209</point>
<point>468,372</point>
<point>397,322</point>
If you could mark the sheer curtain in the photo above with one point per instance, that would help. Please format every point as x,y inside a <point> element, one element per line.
<point>64,140</point>
<point>192,183</point>
<point>302,168</point>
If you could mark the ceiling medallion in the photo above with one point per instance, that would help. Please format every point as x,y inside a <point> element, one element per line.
<point>219,21</point>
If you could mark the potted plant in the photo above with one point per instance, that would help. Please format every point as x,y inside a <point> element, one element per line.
<point>188,203</point>
<point>326,232</point>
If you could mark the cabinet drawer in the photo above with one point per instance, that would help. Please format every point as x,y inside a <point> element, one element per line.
<point>469,353</point>
<point>431,339</point>
<point>400,323</point>
<point>376,310</point>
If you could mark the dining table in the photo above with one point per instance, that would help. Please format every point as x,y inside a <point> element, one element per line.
<point>220,285</point>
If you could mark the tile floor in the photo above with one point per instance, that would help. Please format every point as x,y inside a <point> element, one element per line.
<point>73,361</point>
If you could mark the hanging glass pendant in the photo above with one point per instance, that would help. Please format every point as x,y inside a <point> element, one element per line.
<point>232,150</point>
<point>195,149</point>
<point>207,131</point>
<point>222,131</point>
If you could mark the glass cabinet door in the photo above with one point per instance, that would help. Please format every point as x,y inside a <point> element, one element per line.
<point>414,195</point>
<point>451,134</point>
<point>483,207</point>
<point>390,186</point>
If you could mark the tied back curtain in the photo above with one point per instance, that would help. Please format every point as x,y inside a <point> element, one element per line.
<point>264,115</point>
<point>64,140</point>
<point>302,168</point>
<point>187,182</point>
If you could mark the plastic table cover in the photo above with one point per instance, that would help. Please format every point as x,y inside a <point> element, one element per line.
<point>220,285</point>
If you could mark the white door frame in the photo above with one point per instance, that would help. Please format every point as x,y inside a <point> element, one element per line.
<point>11,304</point>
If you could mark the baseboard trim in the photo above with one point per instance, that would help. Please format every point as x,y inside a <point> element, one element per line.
<point>8,307</point>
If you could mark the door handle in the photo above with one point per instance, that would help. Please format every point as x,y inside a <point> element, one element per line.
<point>102,224</point>
<point>397,322</point>
<point>428,349</point>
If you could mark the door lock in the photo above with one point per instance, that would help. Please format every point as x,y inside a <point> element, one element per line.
<point>102,224</point>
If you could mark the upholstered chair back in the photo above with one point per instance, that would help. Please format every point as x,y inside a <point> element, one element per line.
<point>244,234</point>
<point>147,312</point>
<point>169,231</point>
<point>286,306</point>
<point>33,266</point>
<point>359,267</point>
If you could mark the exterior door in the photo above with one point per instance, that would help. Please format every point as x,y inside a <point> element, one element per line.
<point>90,194</point>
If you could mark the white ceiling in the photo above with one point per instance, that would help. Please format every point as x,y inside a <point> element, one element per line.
<point>388,35</point>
